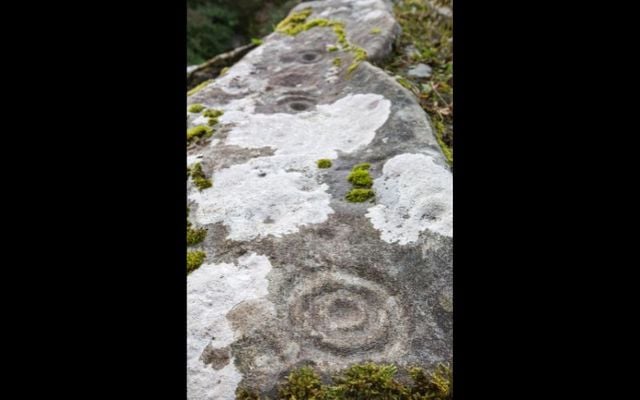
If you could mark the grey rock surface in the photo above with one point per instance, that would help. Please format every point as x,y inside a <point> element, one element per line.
<point>294,273</point>
<point>420,71</point>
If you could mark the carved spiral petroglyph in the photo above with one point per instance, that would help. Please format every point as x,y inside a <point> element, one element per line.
<point>345,314</point>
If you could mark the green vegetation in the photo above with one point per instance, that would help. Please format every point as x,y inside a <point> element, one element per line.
<point>297,22</point>
<point>337,62</point>
<point>195,236</point>
<point>360,178</point>
<point>359,195</point>
<point>366,381</point>
<point>213,115</point>
<point>431,35</point>
<point>303,383</point>
<point>217,26</point>
<point>199,87</point>
<point>332,48</point>
<point>256,41</point>
<point>324,163</point>
<point>362,182</point>
<point>199,178</point>
<point>195,258</point>
<point>196,108</point>
<point>375,31</point>
<point>198,132</point>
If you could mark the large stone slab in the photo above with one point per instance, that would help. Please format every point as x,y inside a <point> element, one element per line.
<point>295,273</point>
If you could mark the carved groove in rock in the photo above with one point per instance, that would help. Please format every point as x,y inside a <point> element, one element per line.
<point>345,314</point>
<point>295,273</point>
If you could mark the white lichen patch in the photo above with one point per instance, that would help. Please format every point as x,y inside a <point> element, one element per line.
<point>278,194</point>
<point>213,290</point>
<point>412,195</point>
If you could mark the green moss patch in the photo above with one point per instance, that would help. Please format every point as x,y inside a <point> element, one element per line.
<point>359,195</point>
<point>195,236</point>
<point>198,177</point>
<point>324,163</point>
<point>367,381</point>
<point>297,22</point>
<point>199,87</point>
<point>195,258</point>
<point>198,132</point>
<point>294,23</point>
<point>196,108</point>
<point>360,178</point>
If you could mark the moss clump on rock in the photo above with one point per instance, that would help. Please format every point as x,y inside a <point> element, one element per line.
<point>362,166</point>
<point>195,236</point>
<point>199,178</point>
<point>337,62</point>
<point>212,113</point>
<point>294,23</point>
<point>213,116</point>
<point>357,195</point>
<point>199,87</point>
<point>332,48</point>
<point>195,258</point>
<point>196,108</point>
<point>303,383</point>
<point>324,163</point>
<point>367,381</point>
<point>375,31</point>
<point>198,132</point>
<point>360,178</point>
<point>297,22</point>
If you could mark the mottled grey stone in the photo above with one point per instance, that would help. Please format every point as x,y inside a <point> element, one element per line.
<point>294,273</point>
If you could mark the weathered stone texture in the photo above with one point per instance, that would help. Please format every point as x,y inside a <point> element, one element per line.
<point>294,272</point>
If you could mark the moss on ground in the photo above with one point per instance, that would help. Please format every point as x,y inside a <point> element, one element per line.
<point>368,381</point>
<point>431,34</point>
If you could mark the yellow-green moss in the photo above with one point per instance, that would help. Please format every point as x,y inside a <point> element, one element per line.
<point>360,55</point>
<point>367,381</point>
<point>294,23</point>
<point>245,394</point>
<point>332,48</point>
<point>437,384</point>
<point>297,22</point>
<point>198,177</point>
<point>199,87</point>
<point>195,258</point>
<point>364,166</point>
<point>196,108</point>
<point>375,31</point>
<point>359,195</point>
<point>303,383</point>
<point>324,163</point>
<point>212,113</point>
<point>337,62</point>
<point>446,150</point>
<point>256,41</point>
<point>198,132</point>
<point>223,71</point>
<point>360,178</point>
<point>195,236</point>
